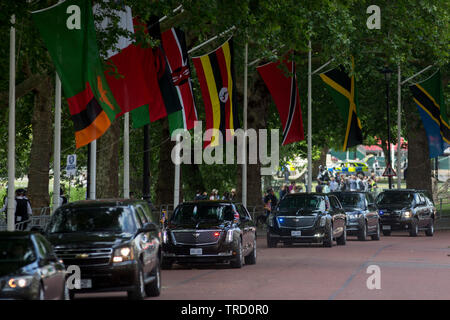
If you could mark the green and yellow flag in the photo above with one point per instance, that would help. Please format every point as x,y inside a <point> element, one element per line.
<point>344,93</point>
<point>68,31</point>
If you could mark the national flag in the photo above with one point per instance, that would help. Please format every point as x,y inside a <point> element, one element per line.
<point>68,31</point>
<point>174,45</point>
<point>168,96</point>
<point>284,91</point>
<point>130,76</point>
<point>215,73</point>
<point>343,90</point>
<point>429,98</point>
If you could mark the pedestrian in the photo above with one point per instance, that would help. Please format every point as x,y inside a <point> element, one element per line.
<point>326,187</point>
<point>319,187</point>
<point>270,201</point>
<point>23,209</point>
<point>204,196</point>
<point>62,198</point>
<point>353,185</point>
<point>233,196</point>
<point>198,195</point>
<point>226,196</point>
<point>376,167</point>
<point>334,186</point>
<point>283,191</point>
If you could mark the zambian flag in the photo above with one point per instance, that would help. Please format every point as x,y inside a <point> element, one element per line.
<point>343,90</point>
<point>68,31</point>
<point>215,73</point>
<point>429,98</point>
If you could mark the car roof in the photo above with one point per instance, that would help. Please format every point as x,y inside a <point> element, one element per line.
<point>209,202</point>
<point>104,203</point>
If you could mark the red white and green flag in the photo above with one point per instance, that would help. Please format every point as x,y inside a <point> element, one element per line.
<point>68,31</point>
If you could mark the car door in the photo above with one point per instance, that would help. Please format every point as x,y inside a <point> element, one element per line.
<point>371,213</point>
<point>428,211</point>
<point>146,242</point>
<point>338,216</point>
<point>52,273</point>
<point>250,228</point>
<point>419,207</point>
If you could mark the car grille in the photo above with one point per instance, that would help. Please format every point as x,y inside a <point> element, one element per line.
<point>196,237</point>
<point>85,256</point>
<point>296,222</point>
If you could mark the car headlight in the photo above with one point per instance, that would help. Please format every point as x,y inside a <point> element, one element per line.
<point>323,221</point>
<point>19,282</point>
<point>407,214</point>
<point>123,254</point>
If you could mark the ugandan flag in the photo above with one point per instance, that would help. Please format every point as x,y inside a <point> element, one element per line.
<point>215,72</point>
<point>68,31</point>
<point>343,90</point>
<point>429,98</point>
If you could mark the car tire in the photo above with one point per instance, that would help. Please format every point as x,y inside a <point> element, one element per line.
<point>41,293</point>
<point>238,261</point>
<point>362,234</point>
<point>328,241</point>
<point>66,292</point>
<point>414,228</point>
<point>153,289</point>
<point>138,293</point>
<point>430,230</point>
<point>270,242</point>
<point>376,236</point>
<point>342,240</point>
<point>251,258</point>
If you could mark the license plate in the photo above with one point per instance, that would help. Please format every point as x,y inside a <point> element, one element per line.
<point>196,251</point>
<point>387,227</point>
<point>85,283</point>
<point>296,233</point>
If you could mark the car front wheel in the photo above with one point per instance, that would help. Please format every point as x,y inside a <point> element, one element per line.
<point>138,293</point>
<point>430,231</point>
<point>251,258</point>
<point>153,289</point>
<point>328,241</point>
<point>238,261</point>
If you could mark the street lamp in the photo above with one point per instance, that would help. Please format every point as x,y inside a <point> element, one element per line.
<point>387,77</point>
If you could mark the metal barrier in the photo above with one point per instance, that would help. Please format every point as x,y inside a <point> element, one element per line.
<point>39,219</point>
<point>442,202</point>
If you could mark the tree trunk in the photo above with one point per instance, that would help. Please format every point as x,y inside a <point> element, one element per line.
<point>107,185</point>
<point>258,106</point>
<point>41,147</point>
<point>322,161</point>
<point>419,165</point>
<point>166,168</point>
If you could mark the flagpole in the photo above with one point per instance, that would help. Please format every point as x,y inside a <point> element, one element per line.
<point>12,128</point>
<point>210,40</point>
<point>57,145</point>
<point>244,152</point>
<point>399,125</point>
<point>126,156</point>
<point>93,172</point>
<point>176,189</point>
<point>309,187</point>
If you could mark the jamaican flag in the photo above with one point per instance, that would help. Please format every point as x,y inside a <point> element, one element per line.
<point>68,31</point>
<point>429,98</point>
<point>343,90</point>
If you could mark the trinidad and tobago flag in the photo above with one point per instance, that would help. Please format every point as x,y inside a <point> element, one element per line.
<point>282,85</point>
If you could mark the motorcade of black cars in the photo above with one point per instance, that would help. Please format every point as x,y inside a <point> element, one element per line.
<point>307,217</point>
<point>406,209</point>
<point>211,232</point>
<point>362,215</point>
<point>115,243</point>
<point>29,269</point>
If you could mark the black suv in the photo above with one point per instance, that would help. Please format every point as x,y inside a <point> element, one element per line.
<point>209,231</point>
<point>307,217</point>
<point>115,243</point>
<point>406,209</point>
<point>362,215</point>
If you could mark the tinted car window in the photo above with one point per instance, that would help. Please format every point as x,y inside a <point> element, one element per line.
<point>189,213</point>
<point>352,200</point>
<point>334,203</point>
<point>404,198</point>
<point>140,214</point>
<point>312,202</point>
<point>16,251</point>
<point>102,219</point>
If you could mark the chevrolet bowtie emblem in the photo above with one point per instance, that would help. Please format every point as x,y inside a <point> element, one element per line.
<point>82,256</point>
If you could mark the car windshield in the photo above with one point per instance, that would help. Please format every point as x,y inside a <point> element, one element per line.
<point>401,198</point>
<point>97,219</point>
<point>352,200</point>
<point>189,213</point>
<point>18,251</point>
<point>309,202</point>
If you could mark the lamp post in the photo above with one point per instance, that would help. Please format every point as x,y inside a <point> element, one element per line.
<point>387,77</point>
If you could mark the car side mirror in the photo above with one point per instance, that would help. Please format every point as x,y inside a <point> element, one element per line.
<point>148,227</point>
